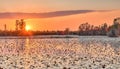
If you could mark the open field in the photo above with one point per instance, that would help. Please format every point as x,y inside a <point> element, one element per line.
<point>83,52</point>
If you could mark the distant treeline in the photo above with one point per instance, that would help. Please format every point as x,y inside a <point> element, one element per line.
<point>104,29</point>
<point>32,33</point>
<point>87,29</point>
<point>84,29</point>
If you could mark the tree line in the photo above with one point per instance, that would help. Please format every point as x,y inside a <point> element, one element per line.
<point>83,29</point>
<point>104,29</point>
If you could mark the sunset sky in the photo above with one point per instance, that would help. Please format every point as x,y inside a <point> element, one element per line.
<point>58,14</point>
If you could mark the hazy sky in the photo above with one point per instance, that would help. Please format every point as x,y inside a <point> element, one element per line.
<point>56,5</point>
<point>60,22</point>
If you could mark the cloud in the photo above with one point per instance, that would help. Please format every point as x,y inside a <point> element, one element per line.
<point>44,15</point>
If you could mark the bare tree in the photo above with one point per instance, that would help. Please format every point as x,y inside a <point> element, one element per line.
<point>17,25</point>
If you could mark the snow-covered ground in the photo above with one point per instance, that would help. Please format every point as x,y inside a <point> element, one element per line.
<point>84,52</point>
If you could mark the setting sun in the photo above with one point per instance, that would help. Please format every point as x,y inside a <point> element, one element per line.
<point>27,27</point>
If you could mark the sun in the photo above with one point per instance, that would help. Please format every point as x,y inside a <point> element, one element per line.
<point>27,28</point>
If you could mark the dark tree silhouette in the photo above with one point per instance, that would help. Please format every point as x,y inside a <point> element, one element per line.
<point>87,29</point>
<point>22,25</point>
<point>17,25</point>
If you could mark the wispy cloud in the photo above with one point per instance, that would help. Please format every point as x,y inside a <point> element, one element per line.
<point>45,15</point>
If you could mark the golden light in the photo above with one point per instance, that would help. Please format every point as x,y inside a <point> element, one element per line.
<point>27,27</point>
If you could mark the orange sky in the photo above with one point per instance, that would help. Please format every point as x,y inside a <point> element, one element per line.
<point>58,22</point>
<point>56,5</point>
<point>62,22</point>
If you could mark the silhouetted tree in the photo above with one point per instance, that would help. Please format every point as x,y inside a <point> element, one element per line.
<point>67,30</point>
<point>5,27</point>
<point>22,25</point>
<point>17,25</point>
<point>115,28</point>
<point>104,28</point>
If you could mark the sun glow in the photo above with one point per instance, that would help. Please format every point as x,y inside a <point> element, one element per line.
<point>27,28</point>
